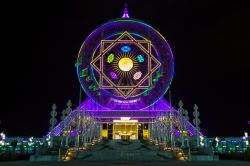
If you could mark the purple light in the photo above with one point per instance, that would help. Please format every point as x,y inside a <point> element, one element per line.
<point>113,75</point>
<point>160,108</point>
<point>125,13</point>
<point>118,117</point>
<point>177,133</point>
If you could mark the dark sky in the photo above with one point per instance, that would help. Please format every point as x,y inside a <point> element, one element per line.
<point>210,40</point>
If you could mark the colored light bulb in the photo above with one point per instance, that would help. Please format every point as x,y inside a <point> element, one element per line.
<point>125,64</point>
<point>110,58</point>
<point>125,49</point>
<point>137,75</point>
<point>140,58</point>
<point>113,75</point>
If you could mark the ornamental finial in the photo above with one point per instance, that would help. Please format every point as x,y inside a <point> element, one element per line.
<point>125,13</point>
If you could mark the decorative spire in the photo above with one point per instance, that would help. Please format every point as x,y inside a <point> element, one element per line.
<point>125,13</point>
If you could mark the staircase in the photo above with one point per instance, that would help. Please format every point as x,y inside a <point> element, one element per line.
<point>109,150</point>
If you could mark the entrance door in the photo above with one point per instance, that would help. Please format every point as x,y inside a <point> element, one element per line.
<point>125,137</point>
<point>125,131</point>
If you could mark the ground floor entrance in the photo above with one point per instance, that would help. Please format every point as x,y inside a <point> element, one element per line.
<point>125,129</point>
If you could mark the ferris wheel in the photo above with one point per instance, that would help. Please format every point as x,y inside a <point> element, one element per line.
<point>125,63</point>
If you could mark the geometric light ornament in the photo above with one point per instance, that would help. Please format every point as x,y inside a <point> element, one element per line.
<point>137,75</point>
<point>116,55</point>
<point>125,64</point>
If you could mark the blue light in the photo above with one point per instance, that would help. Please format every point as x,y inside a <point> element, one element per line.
<point>125,48</point>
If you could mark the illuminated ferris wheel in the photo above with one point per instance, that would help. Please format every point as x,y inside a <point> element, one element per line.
<point>125,62</point>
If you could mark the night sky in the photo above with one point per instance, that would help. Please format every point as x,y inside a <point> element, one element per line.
<point>210,40</point>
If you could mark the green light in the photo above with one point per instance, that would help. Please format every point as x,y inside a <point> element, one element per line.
<point>110,58</point>
<point>146,92</point>
<point>158,74</point>
<point>78,61</point>
<point>84,72</point>
<point>219,149</point>
<point>89,78</point>
<point>93,87</point>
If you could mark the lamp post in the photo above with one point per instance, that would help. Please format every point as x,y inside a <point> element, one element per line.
<point>180,117</point>
<point>197,122</point>
<point>62,126</point>
<point>185,125</point>
<point>83,127</point>
<point>245,140</point>
<point>2,140</point>
<point>78,119</point>
<point>52,122</point>
<point>68,111</point>
<point>171,120</point>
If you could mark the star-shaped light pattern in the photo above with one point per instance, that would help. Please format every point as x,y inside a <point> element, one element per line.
<point>125,65</point>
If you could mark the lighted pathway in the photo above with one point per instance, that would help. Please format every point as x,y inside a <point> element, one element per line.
<point>107,154</point>
<point>126,163</point>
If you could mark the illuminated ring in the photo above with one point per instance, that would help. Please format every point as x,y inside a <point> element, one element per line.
<point>109,97</point>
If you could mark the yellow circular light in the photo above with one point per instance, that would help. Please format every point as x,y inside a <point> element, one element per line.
<point>125,64</point>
